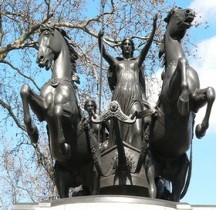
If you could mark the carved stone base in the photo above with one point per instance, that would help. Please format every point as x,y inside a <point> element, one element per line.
<point>110,203</point>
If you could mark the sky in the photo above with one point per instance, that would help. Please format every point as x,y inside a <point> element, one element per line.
<point>202,189</point>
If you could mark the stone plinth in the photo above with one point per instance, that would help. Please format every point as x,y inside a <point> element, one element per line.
<point>110,203</point>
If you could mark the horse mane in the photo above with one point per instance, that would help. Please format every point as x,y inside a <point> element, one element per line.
<point>70,44</point>
<point>162,54</point>
<point>170,13</point>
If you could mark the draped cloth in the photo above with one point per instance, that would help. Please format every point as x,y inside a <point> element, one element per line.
<point>128,87</point>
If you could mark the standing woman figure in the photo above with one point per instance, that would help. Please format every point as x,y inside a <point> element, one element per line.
<point>128,86</point>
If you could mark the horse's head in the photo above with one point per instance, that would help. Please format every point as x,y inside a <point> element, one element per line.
<point>50,45</point>
<point>178,21</point>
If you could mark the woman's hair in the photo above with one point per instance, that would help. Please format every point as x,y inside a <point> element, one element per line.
<point>131,41</point>
<point>132,44</point>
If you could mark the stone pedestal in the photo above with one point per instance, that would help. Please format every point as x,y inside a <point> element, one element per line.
<point>110,203</point>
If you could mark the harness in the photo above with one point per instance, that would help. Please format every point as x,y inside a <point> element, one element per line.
<point>54,82</point>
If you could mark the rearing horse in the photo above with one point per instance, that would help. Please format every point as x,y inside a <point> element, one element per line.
<point>57,105</point>
<point>181,97</point>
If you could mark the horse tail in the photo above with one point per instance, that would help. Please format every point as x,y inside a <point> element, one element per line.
<point>188,176</point>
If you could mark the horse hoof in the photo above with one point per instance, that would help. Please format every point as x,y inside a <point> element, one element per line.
<point>33,134</point>
<point>200,132</point>
<point>66,150</point>
<point>183,103</point>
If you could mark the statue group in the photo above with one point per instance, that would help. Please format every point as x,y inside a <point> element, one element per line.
<point>132,148</point>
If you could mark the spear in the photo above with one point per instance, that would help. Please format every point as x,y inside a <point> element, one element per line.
<point>103,2</point>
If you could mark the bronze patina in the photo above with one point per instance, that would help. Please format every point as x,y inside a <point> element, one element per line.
<point>131,148</point>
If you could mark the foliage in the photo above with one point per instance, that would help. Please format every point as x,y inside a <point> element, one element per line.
<point>27,173</point>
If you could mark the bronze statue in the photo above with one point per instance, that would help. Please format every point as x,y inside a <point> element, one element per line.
<point>181,97</point>
<point>117,165</point>
<point>57,105</point>
<point>128,86</point>
<point>100,130</point>
<point>127,83</point>
<point>145,155</point>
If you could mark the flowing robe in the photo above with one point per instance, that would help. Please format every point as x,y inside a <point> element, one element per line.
<point>128,85</point>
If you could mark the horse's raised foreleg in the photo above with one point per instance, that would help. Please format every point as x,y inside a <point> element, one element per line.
<point>183,100</point>
<point>200,97</point>
<point>29,98</point>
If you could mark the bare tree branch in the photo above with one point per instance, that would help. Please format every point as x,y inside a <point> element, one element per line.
<point>8,107</point>
<point>83,25</point>
<point>13,14</point>
<point>28,192</point>
<point>18,70</point>
<point>19,43</point>
<point>1,29</point>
